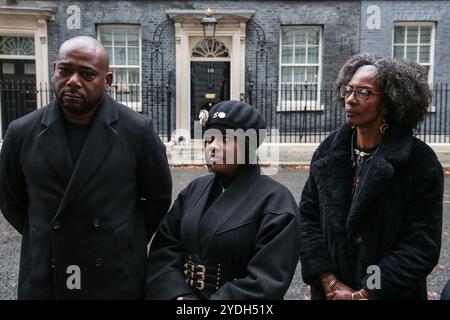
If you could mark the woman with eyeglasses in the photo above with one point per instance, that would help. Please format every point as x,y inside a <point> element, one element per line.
<point>233,234</point>
<point>371,210</point>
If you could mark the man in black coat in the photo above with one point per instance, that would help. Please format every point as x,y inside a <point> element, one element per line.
<point>85,180</point>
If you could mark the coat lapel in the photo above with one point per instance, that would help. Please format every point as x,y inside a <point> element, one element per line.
<point>98,143</point>
<point>53,142</point>
<point>225,210</point>
<point>193,215</point>
<point>333,174</point>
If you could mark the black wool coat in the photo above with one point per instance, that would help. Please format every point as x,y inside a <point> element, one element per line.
<point>394,221</point>
<point>96,215</point>
<point>252,226</point>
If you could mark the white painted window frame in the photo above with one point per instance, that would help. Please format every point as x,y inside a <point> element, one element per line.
<point>432,44</point>
<point>135,105</point>
<point>298,105</point>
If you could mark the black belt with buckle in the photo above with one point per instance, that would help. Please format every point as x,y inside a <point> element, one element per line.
<point>208,275</point>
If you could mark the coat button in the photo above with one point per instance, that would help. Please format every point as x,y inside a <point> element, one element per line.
<point>56,225</point>
<point>52,263</point>
<point>98,262</point>
<point>358,240</point>
<point>96,222</point>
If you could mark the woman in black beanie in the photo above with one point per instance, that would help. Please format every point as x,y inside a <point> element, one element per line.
<point>233,234</point>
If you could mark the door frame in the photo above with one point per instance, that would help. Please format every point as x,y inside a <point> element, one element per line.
<point>30,22</point>
<point>187,33</point>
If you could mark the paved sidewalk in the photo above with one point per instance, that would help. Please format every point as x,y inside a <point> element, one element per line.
<point>284,154</point>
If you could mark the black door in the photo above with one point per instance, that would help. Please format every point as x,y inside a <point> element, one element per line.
<point>17,89</point>
<point>210,84</point>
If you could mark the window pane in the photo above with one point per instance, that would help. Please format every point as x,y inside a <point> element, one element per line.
<point>119,56</point>
<point>287,55</point>
<point>133,76</point>
<point>425,35</point>
<point>286,74</point>
<point>398,51</point>
<point>299,74</point>
<point>133,37</point>
<point>299,92</point>
<point>288,37</point>
<point>412,35</point>
<point>300,54</point>
<point>120,76</point>
<point>313,54</point>
<point>313,37</point>
<point>110,54</point>
<point>8,68</point>
<point>286,91</point>
<point>311,92</point>
<point>399,35</point>
<point>106,36</point>
<point>21,46</point>
<point>411,52</point>
<point>300,36</point>
<point>133,56</point>
<point>119,37</point>
<point>29,68</point>
<point>311,74</point>
<point>424,54</point>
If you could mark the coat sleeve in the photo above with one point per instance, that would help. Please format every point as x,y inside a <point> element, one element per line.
<point>165,278</point>
<point>314,256</point>
<point>155,181</point>
<point>417,251</point>
<point>273,264</point>
<point>13,192</point>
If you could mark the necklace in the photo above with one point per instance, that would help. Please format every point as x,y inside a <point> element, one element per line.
<point>362,158</point>
<point>221,186</point>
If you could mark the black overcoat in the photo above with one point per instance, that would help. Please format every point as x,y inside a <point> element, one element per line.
<point>97,215</point>
<point>253,226</point>
<point>394,221</point>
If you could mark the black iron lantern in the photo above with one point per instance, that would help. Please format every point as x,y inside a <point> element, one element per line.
<point>209,24</point>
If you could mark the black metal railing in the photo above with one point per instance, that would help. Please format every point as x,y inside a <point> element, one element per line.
<point>301,114</point>
<point>306,114</point>
<point>18,98</point>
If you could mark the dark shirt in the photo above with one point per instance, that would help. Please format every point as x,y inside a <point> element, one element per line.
<point>76,137</point>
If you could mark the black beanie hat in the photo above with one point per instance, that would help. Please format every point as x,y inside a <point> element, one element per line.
<point>234,115</point>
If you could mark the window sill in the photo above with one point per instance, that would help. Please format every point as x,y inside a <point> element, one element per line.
<point>305,106</point>
<point>136,106</point>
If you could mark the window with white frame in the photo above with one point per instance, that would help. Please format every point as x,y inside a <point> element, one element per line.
<point>415,41</point>
<point>124,48</point>
<point>300,67</point>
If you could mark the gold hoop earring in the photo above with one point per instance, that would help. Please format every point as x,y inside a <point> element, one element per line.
<point>384,126</point>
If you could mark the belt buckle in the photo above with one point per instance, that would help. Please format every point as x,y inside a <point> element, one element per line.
<point>200,285</point>
<point>201,281</point>
<point>195,274</point>
<point>202,271</point>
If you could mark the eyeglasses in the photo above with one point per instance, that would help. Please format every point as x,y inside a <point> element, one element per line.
<point>360,93</point>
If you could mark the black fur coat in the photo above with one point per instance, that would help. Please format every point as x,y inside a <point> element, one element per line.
<point>393,222</point>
